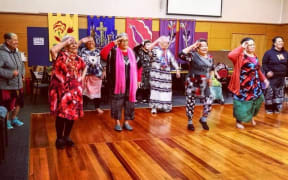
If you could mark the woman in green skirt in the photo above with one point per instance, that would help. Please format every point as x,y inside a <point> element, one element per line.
<point>245,83</point>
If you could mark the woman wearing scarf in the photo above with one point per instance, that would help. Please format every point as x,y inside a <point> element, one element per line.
<point>198,81</point>
<point>122,79</point>
<point>65,90</point>
<point>245,83</point>
<point>160,76</point>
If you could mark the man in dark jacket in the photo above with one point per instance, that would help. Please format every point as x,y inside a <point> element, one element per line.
<point>12,72</point>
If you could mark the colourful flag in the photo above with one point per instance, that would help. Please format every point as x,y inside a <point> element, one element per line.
<point>138,30</point>
<point>60,26</point>
<point>102,29</point>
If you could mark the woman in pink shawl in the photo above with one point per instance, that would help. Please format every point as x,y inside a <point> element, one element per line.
<point>122,79</point>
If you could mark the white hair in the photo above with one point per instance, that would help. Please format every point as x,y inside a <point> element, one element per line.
<point>122,35</point>
<point>164,38</point>
<point>66,37</point>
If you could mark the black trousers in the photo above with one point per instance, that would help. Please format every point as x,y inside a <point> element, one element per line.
<point>96,101</point>
<point>143,94</point>
<point>63,127</point>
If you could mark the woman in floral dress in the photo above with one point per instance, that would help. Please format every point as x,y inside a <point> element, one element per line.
<point>65,90</point>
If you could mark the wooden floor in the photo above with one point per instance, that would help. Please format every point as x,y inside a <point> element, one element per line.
<point>160,147</point>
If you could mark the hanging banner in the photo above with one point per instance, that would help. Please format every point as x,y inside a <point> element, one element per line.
<point>138,30</point>
<point>38,46</point>
<point>168,28</point>
<point>60,26</point>
<point>102,29</point>
<point>186,35</point>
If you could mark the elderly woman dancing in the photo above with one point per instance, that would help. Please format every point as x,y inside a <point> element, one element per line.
<point>65,90</point>
<point>160,76</point>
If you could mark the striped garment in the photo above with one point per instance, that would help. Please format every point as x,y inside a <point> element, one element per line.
<point>161,79</point>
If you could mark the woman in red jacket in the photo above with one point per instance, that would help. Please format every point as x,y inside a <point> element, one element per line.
<point>245,82</point>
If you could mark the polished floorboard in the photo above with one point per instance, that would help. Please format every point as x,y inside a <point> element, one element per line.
<point>161,147</point>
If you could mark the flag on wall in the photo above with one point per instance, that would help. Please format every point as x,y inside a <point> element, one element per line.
<point>186,35</point>
<point>38,46</point>
<point>138,30</point>
<point>168,28</point>
<point>102,29</point>
<point>60,26</point>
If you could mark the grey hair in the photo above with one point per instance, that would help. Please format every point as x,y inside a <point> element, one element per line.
<point>66,37</point>
<point>165,39</point>
<point>121,35</point>
<point>8,36</point>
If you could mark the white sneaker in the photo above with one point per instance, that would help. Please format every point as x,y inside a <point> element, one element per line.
<point>153,111</point>
<point>240,126</point>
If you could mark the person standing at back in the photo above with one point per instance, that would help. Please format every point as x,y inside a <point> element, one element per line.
<point>12,72</point>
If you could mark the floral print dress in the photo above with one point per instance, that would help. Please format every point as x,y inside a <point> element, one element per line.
<point>65,90</point>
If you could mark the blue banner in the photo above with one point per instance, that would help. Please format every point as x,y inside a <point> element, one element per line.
<point>38,46</point>
<point>102,29</point>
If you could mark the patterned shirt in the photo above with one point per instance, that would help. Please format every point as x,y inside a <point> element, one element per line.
<point>250,85</point>
<point>92,60</point>
<point>65,89</point>
<point>144,60</point>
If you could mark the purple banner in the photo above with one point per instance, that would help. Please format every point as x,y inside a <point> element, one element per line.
<point>168,28</point>
<point>186,35</point>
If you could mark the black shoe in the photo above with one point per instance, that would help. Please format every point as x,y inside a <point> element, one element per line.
<point>190,127</point>
<point>204,125</point>
<point>60,144</point>
<point>68,142</point>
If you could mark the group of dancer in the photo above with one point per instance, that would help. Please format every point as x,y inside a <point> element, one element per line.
<point>78,72</point>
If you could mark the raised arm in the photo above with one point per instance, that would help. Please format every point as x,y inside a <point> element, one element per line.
<point>106,50</point>
<point>234,54</point>
<point>84,40</point>
<point>57,48</point>
<point>153,44</point>
<point>185,53</point>
<point>191,48</point>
